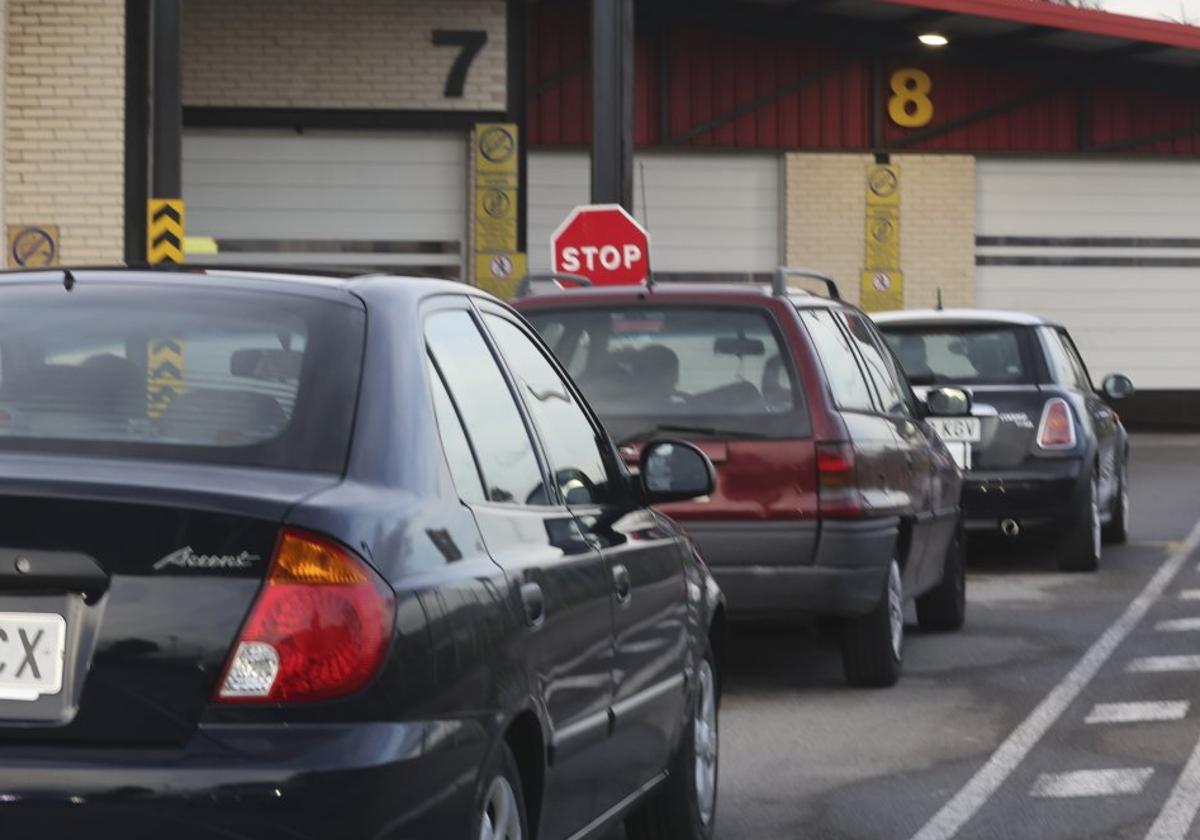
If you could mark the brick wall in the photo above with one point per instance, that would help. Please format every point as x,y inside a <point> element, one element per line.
<point>371,54</point>
<point>825,222</point>
<point>65,123</point>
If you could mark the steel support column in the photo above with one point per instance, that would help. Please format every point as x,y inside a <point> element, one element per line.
<point>166,100</point>
<point>612,102</point>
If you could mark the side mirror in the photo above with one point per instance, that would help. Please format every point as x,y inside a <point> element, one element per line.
<point>675,471</point>
<point>948,402</point>
<point>1117,386</point>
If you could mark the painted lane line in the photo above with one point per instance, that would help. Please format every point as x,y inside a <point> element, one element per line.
<point>1189,595</point>
<point>1146,712</point>
<point>1126,782</point>
<point>1176,818</point>
<point>1163,664</point>
<point>1178,625</point>
<point>956,813</point>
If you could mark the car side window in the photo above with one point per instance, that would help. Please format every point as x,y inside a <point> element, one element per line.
<point>879,366</point>
<point>464,469</point>
<point>490,417</point>
<point>846,379</point>
<point>571,442</point>
<point>1082,378</point>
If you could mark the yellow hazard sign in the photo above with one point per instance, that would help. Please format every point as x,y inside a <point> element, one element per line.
<point>32,246</point>
<point>500,273</point>
<point>882,290</point>
<point>164,368</point>
<point>164,231</point>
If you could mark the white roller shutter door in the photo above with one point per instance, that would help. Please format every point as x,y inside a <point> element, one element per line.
<point>708,214</point>
<point>1110,249</point>
<point>393,201</point>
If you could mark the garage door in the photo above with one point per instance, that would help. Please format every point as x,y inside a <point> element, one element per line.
<point>356,200</point>
<point>708,214</point>
<point>1111,249</point>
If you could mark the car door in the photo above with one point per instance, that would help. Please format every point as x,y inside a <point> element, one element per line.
<point>560,584</point>
<point>641,551</point>
<point>1103,419</point>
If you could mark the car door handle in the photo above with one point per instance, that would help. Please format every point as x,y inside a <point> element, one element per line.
<point>534,601</point>
<point>622,584</point>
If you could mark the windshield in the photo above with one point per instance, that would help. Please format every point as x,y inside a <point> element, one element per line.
<point>214,376</point>
<point>962,354</point>
<point>722,369</point>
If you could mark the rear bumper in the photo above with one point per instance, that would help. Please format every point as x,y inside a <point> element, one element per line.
<point>798,569</point>
<point>412,780</point>
<point>1039,495</point>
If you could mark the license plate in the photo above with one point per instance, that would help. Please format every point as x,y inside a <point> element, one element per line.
<point>957,429</point>
<point>32,647</point>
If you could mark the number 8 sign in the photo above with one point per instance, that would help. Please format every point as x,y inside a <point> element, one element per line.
<point>911,106</point>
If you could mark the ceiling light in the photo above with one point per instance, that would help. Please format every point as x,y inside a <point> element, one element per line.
<point>933,39</point>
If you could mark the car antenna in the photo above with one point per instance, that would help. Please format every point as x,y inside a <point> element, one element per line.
<point>646,222</point>
<point>68,279</point>
<point>939,300</point>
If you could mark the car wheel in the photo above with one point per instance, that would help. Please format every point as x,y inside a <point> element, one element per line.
<point>1117,529</point>
<point>500,809</point>
<point>684,807</point>
<point>944,608</point>
<point>873,646</point>
<point>1080,551</point>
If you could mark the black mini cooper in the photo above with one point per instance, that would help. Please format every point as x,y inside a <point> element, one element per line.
<point>1043,451</point>
<point>288,557</point>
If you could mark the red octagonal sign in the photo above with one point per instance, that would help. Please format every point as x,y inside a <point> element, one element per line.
<point>603,243</point>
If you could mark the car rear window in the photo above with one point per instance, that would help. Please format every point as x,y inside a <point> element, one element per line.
<point>185,373</point>
<point>967,354</point>
<point>724,368</point>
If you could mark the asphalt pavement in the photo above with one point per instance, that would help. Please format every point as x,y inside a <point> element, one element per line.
<point>1063,710</point>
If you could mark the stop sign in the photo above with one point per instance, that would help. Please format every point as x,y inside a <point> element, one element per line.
<point>603,243</point>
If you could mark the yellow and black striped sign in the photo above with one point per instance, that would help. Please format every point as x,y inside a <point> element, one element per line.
<point>164,380</point>
<point>164,231</point>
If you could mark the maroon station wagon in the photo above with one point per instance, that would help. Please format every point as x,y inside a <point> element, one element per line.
<point>835,498</point>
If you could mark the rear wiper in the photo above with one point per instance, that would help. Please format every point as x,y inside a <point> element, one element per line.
<point>705,431</point>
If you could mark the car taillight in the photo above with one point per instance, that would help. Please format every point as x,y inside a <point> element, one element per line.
<point>320,628</point>
<point>837,481</point>
<point>1057,429</point>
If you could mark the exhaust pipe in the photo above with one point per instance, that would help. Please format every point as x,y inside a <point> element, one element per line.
<point>1010,527</point>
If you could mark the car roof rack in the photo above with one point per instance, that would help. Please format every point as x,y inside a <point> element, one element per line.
<point>525,287</point>
<point>780,286</point>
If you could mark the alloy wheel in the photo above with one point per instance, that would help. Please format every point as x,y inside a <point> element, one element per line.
<point>706,746</point>
<point>501,819</point>
<point>895,596</point>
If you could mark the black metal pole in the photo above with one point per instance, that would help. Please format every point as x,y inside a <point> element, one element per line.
<point>612,102</point>
<point>166,100</point>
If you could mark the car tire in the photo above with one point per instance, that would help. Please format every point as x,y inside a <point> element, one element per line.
<point>500,804</point>
<point>1080,550</point>
<point>1116,532</point>
<point>943,609</point>
<point>684,807</point>
<point>873,645</point>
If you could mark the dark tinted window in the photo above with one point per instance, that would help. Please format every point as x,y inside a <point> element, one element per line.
<point>567,434</point>
<point>210,375</point>
<point>461,460</point>
<point>962,354</point>
<point>846,378</point>
<point>640,366</point>
<point>489,414</point>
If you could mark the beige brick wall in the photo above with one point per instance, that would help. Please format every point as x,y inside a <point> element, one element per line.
<point>937,229</point>
<point>65,123</point>
<point>825,222</point>
<point>372,54</point>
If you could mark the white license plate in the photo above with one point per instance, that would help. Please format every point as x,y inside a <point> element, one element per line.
<point>32,648</point>
<point>957,429</point>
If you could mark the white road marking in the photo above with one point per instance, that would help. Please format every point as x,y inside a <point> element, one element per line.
<point>1178,625</point>
<point>1138,712</point>
<point>1176,818</point>
<point>1125,782</point>
<point>1163,664</point>
<point>956,813</point>
<point>1189,595</point>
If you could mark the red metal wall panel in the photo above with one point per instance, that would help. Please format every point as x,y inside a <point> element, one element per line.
<point>724,88</point>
